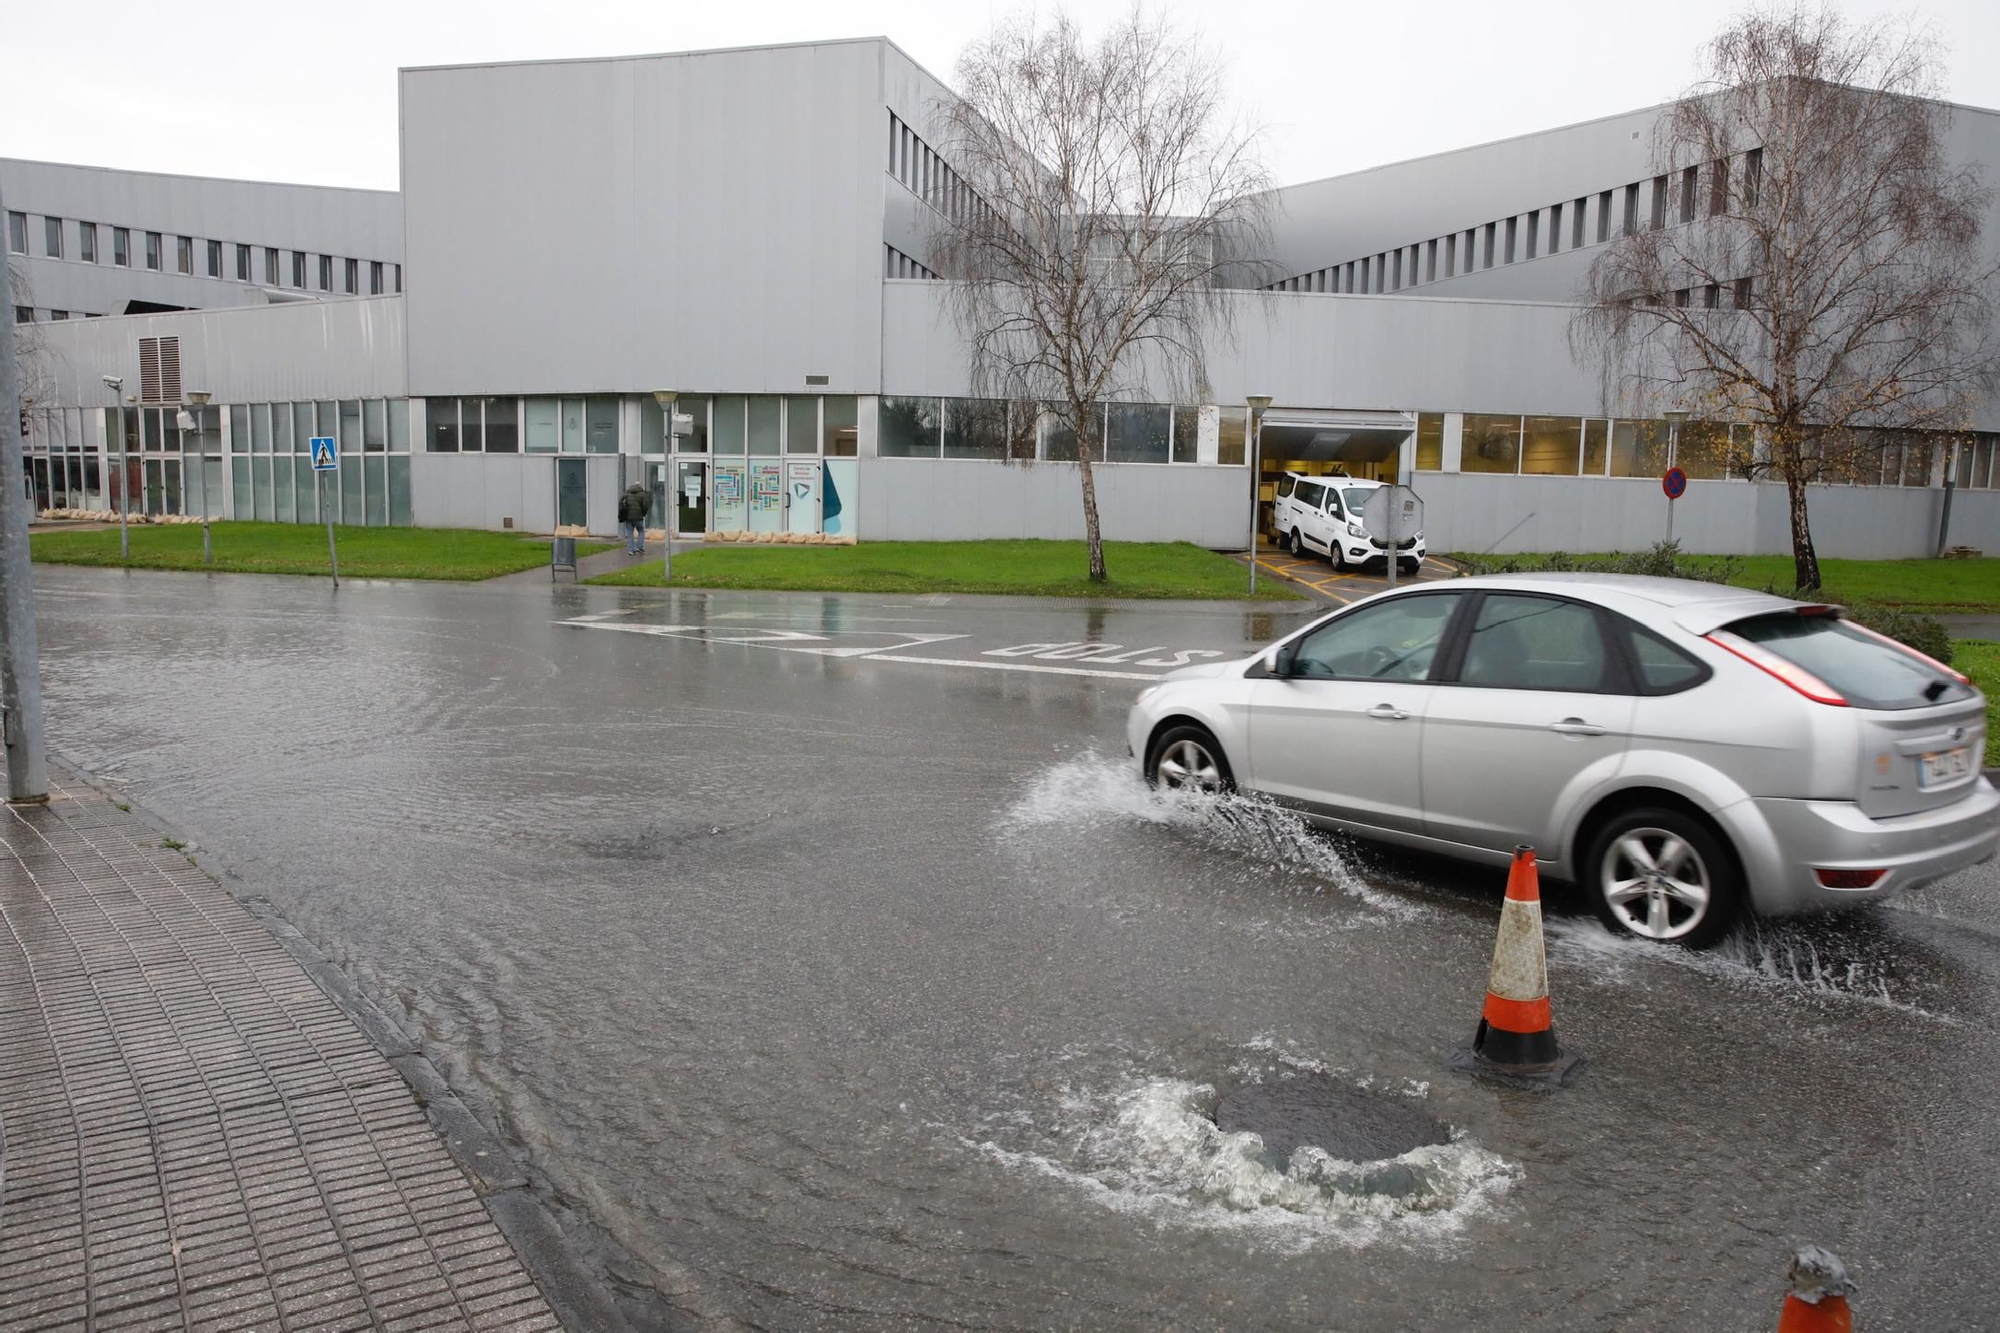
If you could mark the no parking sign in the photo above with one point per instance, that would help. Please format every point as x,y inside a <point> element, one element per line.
<point>1674,483</point>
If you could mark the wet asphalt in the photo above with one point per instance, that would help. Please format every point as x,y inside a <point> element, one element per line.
<point>838,983</point>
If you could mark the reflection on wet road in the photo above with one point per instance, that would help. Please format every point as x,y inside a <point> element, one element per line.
<point>844,992</point>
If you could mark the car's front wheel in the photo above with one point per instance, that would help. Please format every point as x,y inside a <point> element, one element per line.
<point>1187,758</point>
<point>1664,876</point>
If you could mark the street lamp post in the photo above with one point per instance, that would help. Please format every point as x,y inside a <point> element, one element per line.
<point>1258,403</point>
<point>116,384</point>
<point>1675,416</point>
<point>198,398</point>
<point>666,398</point>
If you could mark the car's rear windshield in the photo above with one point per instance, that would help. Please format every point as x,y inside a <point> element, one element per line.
<point>1868,672</point>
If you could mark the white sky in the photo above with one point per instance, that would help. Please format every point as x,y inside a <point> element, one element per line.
<point>282,90</point>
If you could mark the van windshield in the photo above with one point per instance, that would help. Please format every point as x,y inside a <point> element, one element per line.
<point>1357,496</point>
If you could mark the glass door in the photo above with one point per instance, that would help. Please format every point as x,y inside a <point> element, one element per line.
<point>767,495</point>
<point>572,511</point>
<point>802,495</point>
<point>690,496</point>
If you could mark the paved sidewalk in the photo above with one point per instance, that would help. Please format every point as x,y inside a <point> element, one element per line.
<point>590,566</point>
<point>193,1134</point>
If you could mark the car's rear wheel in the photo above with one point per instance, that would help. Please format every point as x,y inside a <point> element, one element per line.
<point>1296,543</point>
<point>1187,758</point>
<point>1664,876</point>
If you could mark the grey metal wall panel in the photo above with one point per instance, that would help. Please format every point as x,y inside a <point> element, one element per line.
<point>954,499</point>
<point>324,349</point>
<point>707,221</point>
<point>478,491</point>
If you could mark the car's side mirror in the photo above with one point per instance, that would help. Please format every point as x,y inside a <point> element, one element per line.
<point>1284,659</point>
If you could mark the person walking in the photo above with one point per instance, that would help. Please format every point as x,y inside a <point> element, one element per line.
<point>633,507</point>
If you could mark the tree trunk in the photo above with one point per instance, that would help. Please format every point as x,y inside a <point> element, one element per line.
<point>1093,535</point>
<point>1805,560</point>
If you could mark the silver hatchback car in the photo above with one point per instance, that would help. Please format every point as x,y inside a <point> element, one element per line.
<point>1683,750</point>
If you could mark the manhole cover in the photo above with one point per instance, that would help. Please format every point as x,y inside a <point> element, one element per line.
<point>1344,1121</point>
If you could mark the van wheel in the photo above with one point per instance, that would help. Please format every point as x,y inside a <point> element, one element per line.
<point>1296,544</point>
<point>1663,876</point>
<point>1188,758</point>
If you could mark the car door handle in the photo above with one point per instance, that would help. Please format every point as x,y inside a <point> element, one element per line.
<point>1387,712</point>
<point>1576,726</point>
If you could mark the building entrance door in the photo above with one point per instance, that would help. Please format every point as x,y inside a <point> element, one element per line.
<point>572,506</point>
<point>802,495</point>
<point>767,495</point>
<point>690,496</point>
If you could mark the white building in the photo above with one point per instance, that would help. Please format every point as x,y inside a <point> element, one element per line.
<point>745,228</point>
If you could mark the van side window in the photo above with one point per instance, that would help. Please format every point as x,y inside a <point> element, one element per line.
<point>1284,485</point>
<point>1333,502</point>
<point>1309,493</point>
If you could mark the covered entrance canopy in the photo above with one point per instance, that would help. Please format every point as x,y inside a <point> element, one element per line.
<point>1314,435</point>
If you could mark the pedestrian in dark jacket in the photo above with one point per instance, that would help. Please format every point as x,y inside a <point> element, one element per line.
<point>633,506</point>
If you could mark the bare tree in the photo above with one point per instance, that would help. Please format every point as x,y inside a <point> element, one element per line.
<point>1108,194</point>
<point>1814,266</point>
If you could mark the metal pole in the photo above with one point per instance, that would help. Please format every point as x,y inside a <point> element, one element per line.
<point>1395,485</point>
<point>20,655</point>
<point>670,502</point>
<point>124,488</point>
<point>1950,483</point>
<point>1256,488</point>
<point>1673,460</point>
<point>332,555</point>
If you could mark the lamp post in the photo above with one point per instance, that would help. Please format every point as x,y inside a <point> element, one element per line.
<point>116,384</point>
<point>666,398</point>
<point>198,398</point>
<point>1258,402</point>
<point>1675,416</point>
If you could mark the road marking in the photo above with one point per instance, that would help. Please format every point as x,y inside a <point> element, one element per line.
<point>1016,666</point>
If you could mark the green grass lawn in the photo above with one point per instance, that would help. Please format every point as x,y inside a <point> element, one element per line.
<point>1926,585</point>
<point>1980,659</point>
<point>300,548</point>
<point>1022,568</point>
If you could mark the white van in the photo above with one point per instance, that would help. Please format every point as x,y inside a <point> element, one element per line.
<point>1322,515</point>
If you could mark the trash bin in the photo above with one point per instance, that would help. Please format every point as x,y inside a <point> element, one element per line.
<point>562,555</point>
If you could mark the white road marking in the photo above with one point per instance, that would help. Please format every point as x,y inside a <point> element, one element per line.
<point>1014,666</point>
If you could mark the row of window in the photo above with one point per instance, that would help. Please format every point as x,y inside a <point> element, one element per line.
<point>1547,231</point>
<point>334,272</point>
<point>757,423</point>
<point>929,176</point>
<point>26,314</point>
<point>995,428</point>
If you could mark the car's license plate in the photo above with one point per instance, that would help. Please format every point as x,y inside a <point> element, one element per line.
<point>1946,766</point>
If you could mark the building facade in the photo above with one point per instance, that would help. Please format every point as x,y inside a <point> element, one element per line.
<point>745,230</point>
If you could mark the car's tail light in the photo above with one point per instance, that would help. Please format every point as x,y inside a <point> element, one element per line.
<point>1849,879</point>
<point>1800,679</point>
<point>1899,645</point>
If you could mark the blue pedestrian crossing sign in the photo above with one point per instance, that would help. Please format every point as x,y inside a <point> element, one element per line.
<point>325,454</point>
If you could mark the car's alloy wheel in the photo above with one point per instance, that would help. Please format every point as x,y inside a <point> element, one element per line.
<point>1298,544</point>
<point>1187,758</point>
<point>1661,876</point>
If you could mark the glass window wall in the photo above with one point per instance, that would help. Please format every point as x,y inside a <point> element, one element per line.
<point>726,431</point>
<point>544,417</point>
<point>1491,443</point>
<point>1138,433</point>
<point>1430,441</point>
<point>1550,446</point>
<point>695,407</point>
<point>840,435</point>
<point>1638,448</point>
<point>907,428</point>
<point>764,413</point>
<point>801,425</point>
<point>975,428</point>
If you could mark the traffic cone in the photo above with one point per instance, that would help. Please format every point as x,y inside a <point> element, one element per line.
<point>1516,1039</point>
<point>1817,1300</point>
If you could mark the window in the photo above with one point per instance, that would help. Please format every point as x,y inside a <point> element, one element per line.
<point>801,425</point>
<point>1863,668</point>
<point>1394,640</point>
<point>1743,292</point>
<point>1512,225</point>
<point>375,282</point>
<point>1430,441</point>
<point>121,247</point>
<point>1451,255</point>
<point>1703,450</point>
<point>1138,433</point>
<point>1690,185</point>
<point>58,314</point>
<point>154,245</point>
<point>840,435</point>
<point>1536,643</point>
<point>351,277</point>
<point>544,426</point>
<point>503,429</point>
<point>326,273</point>
<point>1059,437</point>
<point>215,259</point>
<point>17,233</point>
<point>727,432</point>
<point>1492,444</point>
<point>52,237</point>
<point>441,415</point>
<point>242,262</point>
<point>1430,262</point>
<point>184,255</point>
<point>763,423</point>
<point>975,428</point>
<point>1718,187</point>
<point>1491,228</point>
<point>399,277</point>
<point>86,242</point>
<point>1659,218</point>
<point>1753,176</point>
<point>907,428</point>
<point>1549,446</point>
<point>1230,433</point>
<point>1631,223</point>
<point>1594,434</point>
<point>1576,224</point>
<point>1604,217</point>
<point>1187,435</point>
<point>1555,228</point>
<point>299,269</point>
<point>1639,448</point>
<point>270,266</point>
<point>1310,493</point>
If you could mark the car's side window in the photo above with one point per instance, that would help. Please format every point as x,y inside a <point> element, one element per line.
<point>1284,486</point>
<point>1536,643</point>
<point>1393,640</point>
<point>1333,503</point>
<point>1663,668</point>
<point>1308,493</point>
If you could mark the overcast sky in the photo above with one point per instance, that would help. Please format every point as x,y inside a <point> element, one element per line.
<point>270,90</point>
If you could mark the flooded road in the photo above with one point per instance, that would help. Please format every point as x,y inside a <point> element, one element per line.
<point>839,973</point>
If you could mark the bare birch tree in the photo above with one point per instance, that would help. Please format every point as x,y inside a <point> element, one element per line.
<point>1108,194</point>
<point>1814,267</point>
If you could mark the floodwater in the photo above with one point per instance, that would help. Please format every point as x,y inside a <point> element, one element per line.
<point>843,993</point>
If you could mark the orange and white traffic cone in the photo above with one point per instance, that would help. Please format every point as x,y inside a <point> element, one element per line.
<point>1516,1040</point>
<point>1817,1299</point>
